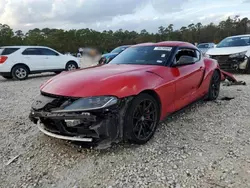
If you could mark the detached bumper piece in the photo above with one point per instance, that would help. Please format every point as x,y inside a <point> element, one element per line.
<point>232,64</point>
<point>43,129</point>
<point>100,127</point>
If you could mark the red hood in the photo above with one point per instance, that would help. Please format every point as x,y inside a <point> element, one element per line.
<point>108,79</point>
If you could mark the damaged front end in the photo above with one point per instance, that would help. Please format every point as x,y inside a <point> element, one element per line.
<point>234,62</point>
<point>95,120</point>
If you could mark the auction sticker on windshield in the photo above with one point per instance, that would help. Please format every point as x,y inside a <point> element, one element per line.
<point>164,48</point>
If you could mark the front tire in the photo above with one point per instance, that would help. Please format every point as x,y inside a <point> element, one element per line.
<point>141,119</point>
<point>20,72</point>
<point>214,88</point>
<point>71,65</point>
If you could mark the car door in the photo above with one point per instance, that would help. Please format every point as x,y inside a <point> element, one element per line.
<point>53,60</point>
<point>33,59</point>
<point>189,77</point>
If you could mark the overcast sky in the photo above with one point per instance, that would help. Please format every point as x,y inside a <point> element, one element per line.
<point>116,14</point>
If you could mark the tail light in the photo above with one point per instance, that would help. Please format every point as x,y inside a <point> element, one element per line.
<point>3,59</point>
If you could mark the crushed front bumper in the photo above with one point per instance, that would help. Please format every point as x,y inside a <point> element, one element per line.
<point>100,128</point>
<point>232,64</point>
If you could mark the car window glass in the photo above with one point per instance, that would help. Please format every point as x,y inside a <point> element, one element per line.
<point>144,55</point>
<point>32,51</point>
<point>234,41</point>
<point>187,52</point>
<point>198,55</point>
<point>8,51</point>
<point>203,46</point>
<point>46,51</point>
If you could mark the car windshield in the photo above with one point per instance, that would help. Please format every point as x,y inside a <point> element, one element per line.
<point>143,55</point>
<point>203,45</point>
<point>1,50</point>
<point>234,41</point>
<point>118,49</point>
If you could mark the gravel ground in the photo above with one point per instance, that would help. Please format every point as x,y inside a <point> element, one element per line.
<point>206,145</point>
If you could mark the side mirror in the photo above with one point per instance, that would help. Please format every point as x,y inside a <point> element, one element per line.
<point>184,60</point>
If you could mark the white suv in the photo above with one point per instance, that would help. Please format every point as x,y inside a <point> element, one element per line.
<point>20,61</point>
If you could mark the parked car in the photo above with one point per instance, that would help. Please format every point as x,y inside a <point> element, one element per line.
<point>106,58</point>
<point>126,99</point>
<point>20,61</point>
<point>204,47</point>
<point>232,53</point>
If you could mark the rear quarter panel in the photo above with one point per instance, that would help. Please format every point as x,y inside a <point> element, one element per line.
<point>12,60</point>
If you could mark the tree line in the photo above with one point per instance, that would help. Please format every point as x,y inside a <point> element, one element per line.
<point>71,40</point>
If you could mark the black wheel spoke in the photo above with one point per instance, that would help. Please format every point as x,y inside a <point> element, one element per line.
<point>143,130</point>
<point>140,112</point>
<point>139,132</point>
<point>148,107</point>
<point>136,125</point>
<point>136,118</point>
<point>149,120</point>
<point>152,112</point>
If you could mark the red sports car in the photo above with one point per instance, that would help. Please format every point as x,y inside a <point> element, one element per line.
<point>126,99</point>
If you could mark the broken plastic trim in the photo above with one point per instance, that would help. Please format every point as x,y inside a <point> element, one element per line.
<point>72,138</point>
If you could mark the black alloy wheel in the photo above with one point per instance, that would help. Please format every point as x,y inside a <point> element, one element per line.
<point>214,88</point>
<point>142,119</point>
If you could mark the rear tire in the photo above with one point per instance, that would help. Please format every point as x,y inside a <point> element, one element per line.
<point>8,77</point>
<point>214,87</point>
<point>71,65</point>
<point>141,119</point>
<point>20,72</point>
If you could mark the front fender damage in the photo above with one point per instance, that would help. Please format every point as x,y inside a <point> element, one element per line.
<point>103,127</point>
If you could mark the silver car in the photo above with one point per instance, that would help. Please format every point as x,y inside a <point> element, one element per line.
<point>204,47</point>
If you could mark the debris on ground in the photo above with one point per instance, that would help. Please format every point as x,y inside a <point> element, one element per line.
<point>226,98</point>
<point>229,83</point>
<point>12,160</point>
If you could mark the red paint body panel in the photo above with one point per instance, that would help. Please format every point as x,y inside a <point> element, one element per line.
<point>175,86</point>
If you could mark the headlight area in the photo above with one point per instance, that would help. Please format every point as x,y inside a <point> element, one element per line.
<point>92,119</point>
<point>239,61</point>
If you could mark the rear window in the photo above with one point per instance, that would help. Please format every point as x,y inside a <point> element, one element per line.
<point>203,46</point>
<point>8,51</point>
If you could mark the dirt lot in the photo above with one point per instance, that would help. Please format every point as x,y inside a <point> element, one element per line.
<point>207,145</point>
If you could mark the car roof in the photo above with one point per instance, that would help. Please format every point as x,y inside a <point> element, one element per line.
<point>206,43</point>
<point>124,46</point>
<point>247,35</point>
<point>168,43</point>
<point>24,46</point>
